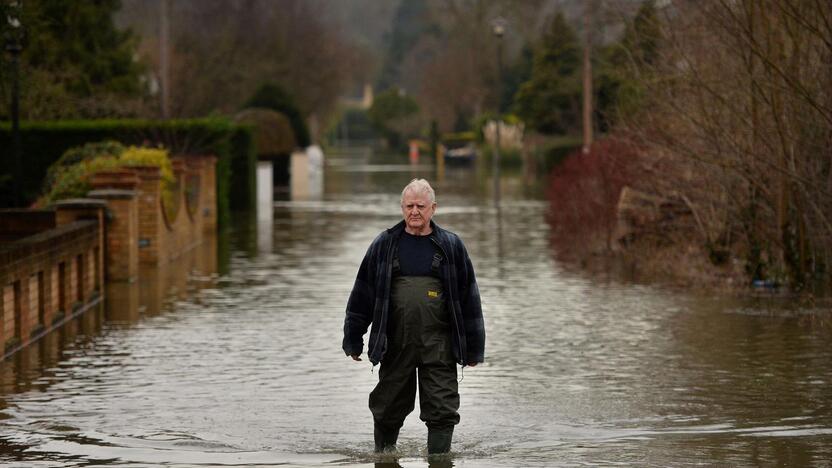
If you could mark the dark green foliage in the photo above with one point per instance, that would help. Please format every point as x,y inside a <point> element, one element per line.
<point>73,52</point>
<point>389,108</point>
<point>45,142</point>
<point>242,165</point>
<point>514,76</point>
<point>390,105</point>
<point>625,67</point>
<point>272,96</point>
<point>77,154</point>
<point>90,151</point>
<point>556,151</point>
<point>643,35</point>
<point>80,39</point>
<point>412,21</point>
<point>549,101</point>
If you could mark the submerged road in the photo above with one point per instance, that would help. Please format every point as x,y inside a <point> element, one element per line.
<point>244,367</point>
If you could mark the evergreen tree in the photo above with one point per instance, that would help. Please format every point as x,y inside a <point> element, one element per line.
<point>514,76</point>
<point>394,114</point>
<point>411,22</point>
<point>643,35</point>
<point>272,96</point>
<point>75,61</point>
<point>550,100</point>
<point>627,64</point>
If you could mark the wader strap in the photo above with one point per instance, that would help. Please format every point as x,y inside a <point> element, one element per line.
<point>434,266</point>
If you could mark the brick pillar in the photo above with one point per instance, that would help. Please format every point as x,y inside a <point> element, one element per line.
<point>75,209</point>
<point>118,188</point>
<point>152,248</point>
<point>91,271</point>
<point>121,248</point>
<point>54,304</point>
<point>180,235</point>
<point>6,315</point>
<point>208,193</point>
<point>193,181</point>
<point>22,317</point>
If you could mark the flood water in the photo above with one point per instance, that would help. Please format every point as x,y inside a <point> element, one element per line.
<point>231,355</point>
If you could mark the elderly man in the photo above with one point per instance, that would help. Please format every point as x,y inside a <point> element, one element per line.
<point>416,286</point>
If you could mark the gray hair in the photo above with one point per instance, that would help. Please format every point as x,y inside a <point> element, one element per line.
<point>419,186</point>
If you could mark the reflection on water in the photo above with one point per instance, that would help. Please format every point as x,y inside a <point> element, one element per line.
<point>189,367</point>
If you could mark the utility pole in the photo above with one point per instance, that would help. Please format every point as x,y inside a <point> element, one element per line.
<point>587,77</point>
<point>164,57</point>
<point>499,28</point>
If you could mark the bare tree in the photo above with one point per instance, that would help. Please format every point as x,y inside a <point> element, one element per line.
<point>739,120</point>
<point>222,51</point>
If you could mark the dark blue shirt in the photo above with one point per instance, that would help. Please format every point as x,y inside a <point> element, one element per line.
<point>416,255</point>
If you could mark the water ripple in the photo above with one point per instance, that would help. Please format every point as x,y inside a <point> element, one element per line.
<point>246,368</point>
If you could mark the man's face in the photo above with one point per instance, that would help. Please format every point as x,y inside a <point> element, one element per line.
<point>417,210</point>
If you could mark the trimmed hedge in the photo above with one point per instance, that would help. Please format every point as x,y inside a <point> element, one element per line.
<point>44,142</point>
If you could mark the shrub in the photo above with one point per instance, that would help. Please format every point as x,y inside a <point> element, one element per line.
<point>73,156</point>
<point>274,97</point>
<point>158,157</point>
<point>45,142</point>
<point>74,181</point>
<point>583,196</point>
<point>136,156</point>
<point>70,176</point>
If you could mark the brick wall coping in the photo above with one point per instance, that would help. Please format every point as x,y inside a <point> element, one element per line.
<point>112,194</point>
<point>81,203</point>
<point>25,220</point>
<point>146,172</point>
<point>13,252</point>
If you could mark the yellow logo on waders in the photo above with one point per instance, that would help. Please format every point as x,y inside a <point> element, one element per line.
<point>433,293</point>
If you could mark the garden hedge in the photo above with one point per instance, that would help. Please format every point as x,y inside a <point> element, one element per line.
<point>45,142</point>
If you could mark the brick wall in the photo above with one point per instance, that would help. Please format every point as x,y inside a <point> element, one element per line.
<point>161,239</point>
<point>32,284</point>
<point>151,241</point>
<point>19,223</point>
<point>53,262</point>
<point>121,258</point>
<point>208,201</point>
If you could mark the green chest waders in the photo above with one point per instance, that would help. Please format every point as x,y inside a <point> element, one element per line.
<point>419,351</point>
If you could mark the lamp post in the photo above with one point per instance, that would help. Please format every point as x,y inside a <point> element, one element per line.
<point>14,46</point>
<point>498,27</point>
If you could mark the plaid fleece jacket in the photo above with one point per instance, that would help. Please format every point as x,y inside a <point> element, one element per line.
<point>369,301</point>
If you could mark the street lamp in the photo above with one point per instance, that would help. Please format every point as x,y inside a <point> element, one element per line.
<point>14,46</point>
<point>498,27</point>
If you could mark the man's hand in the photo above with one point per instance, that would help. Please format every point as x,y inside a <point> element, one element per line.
<point>473,364</point>
<point>355,357</point>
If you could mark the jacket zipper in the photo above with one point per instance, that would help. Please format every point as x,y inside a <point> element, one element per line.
<point>453,311</point>
<point>385,304</point>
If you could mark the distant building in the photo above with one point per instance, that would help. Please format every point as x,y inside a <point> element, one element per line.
<point>364,102</point>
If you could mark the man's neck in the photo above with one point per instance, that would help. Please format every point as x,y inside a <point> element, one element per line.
<point>423,232</point>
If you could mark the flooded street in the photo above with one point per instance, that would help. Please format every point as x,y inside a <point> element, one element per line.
<point>232,355</point>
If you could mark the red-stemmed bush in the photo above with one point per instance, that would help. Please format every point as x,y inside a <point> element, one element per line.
<point>583,195</point>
